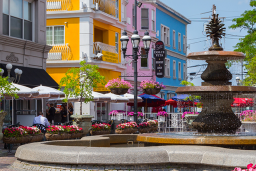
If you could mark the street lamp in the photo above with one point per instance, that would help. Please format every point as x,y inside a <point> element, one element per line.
<point>238,80</point>
<point>135,45</point>
<point>17,72</point>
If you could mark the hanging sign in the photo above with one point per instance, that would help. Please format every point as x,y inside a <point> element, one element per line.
<point>159,55</point>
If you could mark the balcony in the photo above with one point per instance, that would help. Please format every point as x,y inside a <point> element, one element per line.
<point>60,52</point>
<point>105,52</point>
<point>107,6</point>
<point>59,5</point>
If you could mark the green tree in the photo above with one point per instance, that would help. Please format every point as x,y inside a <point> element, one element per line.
<point>7,88</point>
<point>79,82</point>
<point>247,45</point>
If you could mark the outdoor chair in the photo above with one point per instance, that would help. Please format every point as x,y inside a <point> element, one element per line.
<point>95,122</point>
<point>57,123</point>
<point>68,123</point>
<point>41,127</point>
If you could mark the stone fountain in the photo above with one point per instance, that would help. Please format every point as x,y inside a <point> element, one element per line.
<point>216,91</point>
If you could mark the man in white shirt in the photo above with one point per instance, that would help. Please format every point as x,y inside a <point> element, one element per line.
<point>40,119</point>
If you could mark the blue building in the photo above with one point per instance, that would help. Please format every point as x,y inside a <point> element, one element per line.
<point>171,28</point>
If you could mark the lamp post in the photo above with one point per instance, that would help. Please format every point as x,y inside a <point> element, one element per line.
<point>17,72</point>
<point>135,46</point>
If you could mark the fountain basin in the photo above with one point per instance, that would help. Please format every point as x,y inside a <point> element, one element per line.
<point>62,155</point>
<point>216,55</point>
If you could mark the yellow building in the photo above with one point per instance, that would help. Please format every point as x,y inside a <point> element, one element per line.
<point>85,30</point>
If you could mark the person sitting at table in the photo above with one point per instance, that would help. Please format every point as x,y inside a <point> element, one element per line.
<point>40,119</point>
<point>70,110</point>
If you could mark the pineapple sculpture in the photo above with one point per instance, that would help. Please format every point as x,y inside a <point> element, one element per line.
<point>215,30</point>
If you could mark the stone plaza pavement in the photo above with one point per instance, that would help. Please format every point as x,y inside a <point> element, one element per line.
<point>6,159</point>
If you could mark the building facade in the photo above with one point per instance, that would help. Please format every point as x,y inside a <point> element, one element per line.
<point>171,28</point>
<point>23,44</point>
<point>146,22</point>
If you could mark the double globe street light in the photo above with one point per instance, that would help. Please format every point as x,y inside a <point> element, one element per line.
<point>135,45</point>
<point>17,72</point>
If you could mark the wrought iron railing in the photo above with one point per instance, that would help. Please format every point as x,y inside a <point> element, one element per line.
<point>59,5</point>
<point>107,6</point>
<point>60,52</point>
<point>98,47</point>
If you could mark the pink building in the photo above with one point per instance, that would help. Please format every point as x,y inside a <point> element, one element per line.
<point>146,21</point>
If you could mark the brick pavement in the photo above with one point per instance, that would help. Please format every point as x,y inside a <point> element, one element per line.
<point>7,159</point>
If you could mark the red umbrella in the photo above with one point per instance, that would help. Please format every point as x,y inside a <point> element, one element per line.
<point>242,102</point>
<point>171,102</point>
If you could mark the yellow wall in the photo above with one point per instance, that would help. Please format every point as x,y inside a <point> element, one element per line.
<point>57,73</point>
<point>75,5</point>
<point>71,33</point>
<point>109,75</point>
<point>108,35</point>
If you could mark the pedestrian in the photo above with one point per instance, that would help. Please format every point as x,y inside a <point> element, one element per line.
<point>52,113</point>
<point>63,113</point>
<point>40,119</point>
<point>70,110</point>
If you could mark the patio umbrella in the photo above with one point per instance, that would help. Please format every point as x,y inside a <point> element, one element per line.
<point>117,99</point>
<point>131,98</point>
<point>171,102</point>
<point>180,97</point>
<point>242,102</point>
<point>149,101</point>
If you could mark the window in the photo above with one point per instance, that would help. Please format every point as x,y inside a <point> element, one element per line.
<point>179,70</point>
<point>168,96</point>
<point>17,19</point>
<point>174,69</point>
<point>144,18</point>
<point>167,67</point>
<point>133,16</point>
<point>179,42</point>
<point>117,7</point>
<point>55,35</point>
<point>116,43</point>
<point>153,19</point>
<point>173,39</point>
<point>184,44</point>
<point>165,35</point>
<point>184,72</point>
<point>144,59</point>
<point>153,60</point>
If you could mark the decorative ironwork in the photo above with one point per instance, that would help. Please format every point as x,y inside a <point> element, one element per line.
<point>12,58</point>
<point>107,6</point>
<point>60,52</point>
<point>140,74</point>
<point>59,5</point>
<point>176,121</point>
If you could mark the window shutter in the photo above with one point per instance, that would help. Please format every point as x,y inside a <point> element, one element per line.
<point>162,33</point>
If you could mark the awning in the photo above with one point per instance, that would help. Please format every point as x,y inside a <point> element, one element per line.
<point>32,77</point>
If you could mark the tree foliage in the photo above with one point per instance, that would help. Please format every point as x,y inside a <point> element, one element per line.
<point>79,82</point>
<point>7,88</point>
<point>247,45</point>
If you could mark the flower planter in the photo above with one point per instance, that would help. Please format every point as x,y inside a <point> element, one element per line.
<point>52,137</point>
<point>249,126</point>
<point>37,138</point>
<point>126,131</point>
<point>154,129</point>
<point>144,130</point>
<point>101,132</point>
<point>161,118</point>
<point>17,140</point>
<point>118,91</point>
<point>76,135</point>
<point>151,90</point>
<point>65,136</point>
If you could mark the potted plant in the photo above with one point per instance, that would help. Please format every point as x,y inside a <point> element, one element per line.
<point>130,116</point>
<point>161,115</point>
<point>118,86</point>
<point>248,118</point>
<point>144,127</point>
<point>126,128</point>
<point>52,133</point>
<point>151,87</point>
<point>14,135</point>
<point>100,129</point>
<point>153,125</point>
<point>35,134</point>
<point>75,131</point>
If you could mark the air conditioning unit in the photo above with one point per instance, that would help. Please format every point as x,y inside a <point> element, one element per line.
<point>53,5</point>
<point>55,56</point>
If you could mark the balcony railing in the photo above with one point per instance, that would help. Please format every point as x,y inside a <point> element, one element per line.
<point>60,52</point>
<point>109,55</point>
<point>98,47</point>
<point>107,6</point>
<point>59,5</point>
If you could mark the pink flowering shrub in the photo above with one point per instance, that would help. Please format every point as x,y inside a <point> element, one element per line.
<point>127,125</point>
<point>101,127</point>
<point>61,129</point>
<point>151,84</point>
<point>248,115</point>
<point>140,114</point>
<point>31,130</point>
<point>162,113</point>
<point>189,113</point>
<point>153,123</point>
<point>144,125</point>
<point>72,129</point>
<point>14,132</point>
<point>250,167</point>
<point>115,112</point>
<point>118,83</point>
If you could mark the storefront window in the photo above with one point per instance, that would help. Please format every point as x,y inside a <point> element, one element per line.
<point>102,114</point>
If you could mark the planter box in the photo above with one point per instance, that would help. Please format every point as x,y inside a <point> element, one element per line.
<point>37,138</point>
<point>126,131</point>
<point>101,132</point>
<point>17,140</point>
<point>249,126</point>
<point>118,91</point>
<point>151,91</point>
<point>144,130</point>
<point>76,135</point>
<point>154,129</point>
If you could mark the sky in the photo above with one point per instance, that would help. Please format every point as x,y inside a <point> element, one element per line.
<point>196,37</point>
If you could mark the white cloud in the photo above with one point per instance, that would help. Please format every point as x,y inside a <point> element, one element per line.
<point>243,2</point>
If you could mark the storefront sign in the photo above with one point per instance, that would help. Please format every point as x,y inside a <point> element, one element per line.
<point>110,57</point>
<point>159,55</point>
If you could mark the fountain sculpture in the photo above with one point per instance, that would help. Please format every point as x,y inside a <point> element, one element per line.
<point>216,92</point>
